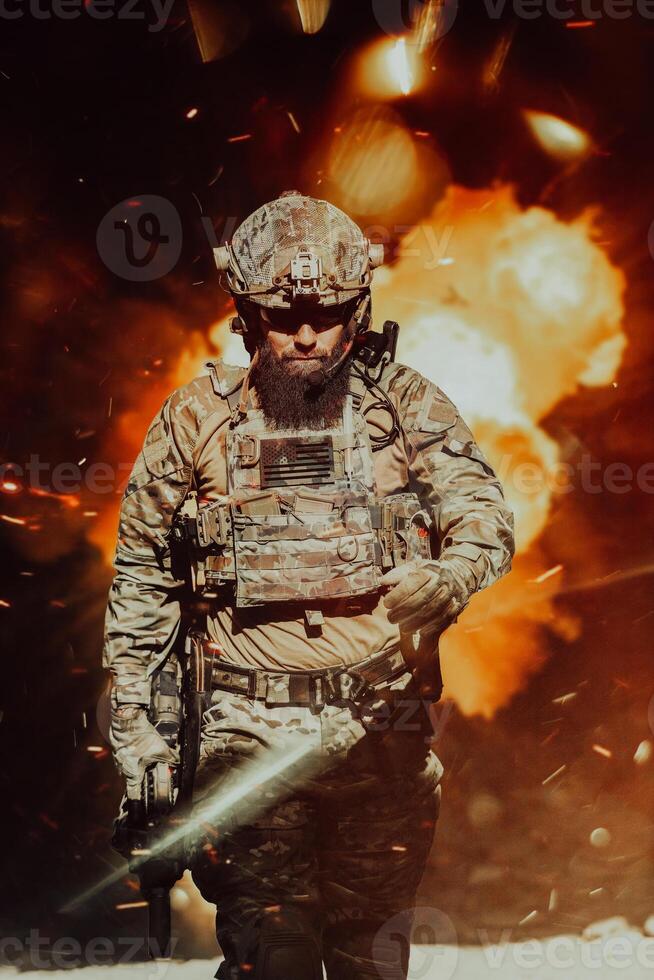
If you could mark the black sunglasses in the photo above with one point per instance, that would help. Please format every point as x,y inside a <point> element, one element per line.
<point>320,317</point>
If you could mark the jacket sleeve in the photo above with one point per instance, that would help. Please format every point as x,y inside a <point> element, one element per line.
<point>447,468</point>
<point>143,612</point>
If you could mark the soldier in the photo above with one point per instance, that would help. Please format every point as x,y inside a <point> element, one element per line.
<point>336,511</point>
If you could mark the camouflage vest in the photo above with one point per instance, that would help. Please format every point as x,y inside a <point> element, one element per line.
<point>301,521</point>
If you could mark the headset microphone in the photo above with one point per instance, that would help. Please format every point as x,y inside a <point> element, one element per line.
<point>320,377</point>
<point>317,378</point>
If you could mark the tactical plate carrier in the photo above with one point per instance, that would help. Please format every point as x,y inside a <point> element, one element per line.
<point>301,521</point>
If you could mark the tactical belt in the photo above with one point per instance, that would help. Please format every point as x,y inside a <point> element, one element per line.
<point>302,688</point>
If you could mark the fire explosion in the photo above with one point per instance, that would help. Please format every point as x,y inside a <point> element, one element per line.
<point>509,297</point>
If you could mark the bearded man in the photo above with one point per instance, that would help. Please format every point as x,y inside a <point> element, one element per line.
<point>335,516</point>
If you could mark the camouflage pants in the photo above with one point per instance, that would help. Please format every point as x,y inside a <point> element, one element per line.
<point>316,823</point>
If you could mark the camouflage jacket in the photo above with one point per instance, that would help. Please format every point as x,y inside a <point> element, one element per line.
<point>436,456</point>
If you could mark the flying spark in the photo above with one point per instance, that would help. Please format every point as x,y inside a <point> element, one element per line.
<point>431,25</point>
<point>557,137</point>
<point>495,66</point>
<point>565,698</point>
<point>545,575</point>
<point>313,14</point>
<point>553,775</point>
<point>400,65</point>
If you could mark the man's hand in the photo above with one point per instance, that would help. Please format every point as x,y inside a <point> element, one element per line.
<point>136,745</point>
<point>426,596</point>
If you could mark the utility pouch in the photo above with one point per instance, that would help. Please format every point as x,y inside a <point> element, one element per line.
<point>312,553</point>
<point>405,530</point>
<point>206,534</point>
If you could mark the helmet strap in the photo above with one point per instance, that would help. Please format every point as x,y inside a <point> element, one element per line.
<point>245,325</point>
<point>361,317</point>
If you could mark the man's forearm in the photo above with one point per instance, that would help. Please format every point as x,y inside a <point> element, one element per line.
<point>476,532</point>
<point>141,627</point>
<point>143,611</point>
<point>473,520</point>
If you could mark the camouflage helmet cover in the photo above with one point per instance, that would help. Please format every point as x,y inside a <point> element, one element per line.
<point>298,248</point>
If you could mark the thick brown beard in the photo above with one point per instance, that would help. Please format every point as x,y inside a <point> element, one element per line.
<point>286,398</point>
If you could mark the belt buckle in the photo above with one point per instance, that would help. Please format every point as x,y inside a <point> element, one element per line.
<point>345,684</point>
<point>321,691</point>
<point>277,690</point>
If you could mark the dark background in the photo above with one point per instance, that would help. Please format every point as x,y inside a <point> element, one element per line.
<point>94,112</point>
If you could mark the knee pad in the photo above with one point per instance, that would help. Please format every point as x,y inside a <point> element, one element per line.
<point>285,948</point>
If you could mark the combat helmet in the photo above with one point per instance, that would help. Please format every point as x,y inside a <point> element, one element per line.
<point>298,249</point>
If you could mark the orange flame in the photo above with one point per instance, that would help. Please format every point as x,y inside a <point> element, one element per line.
<point>391,68</point>
<point>509,311</point>
<point>313,14</point>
